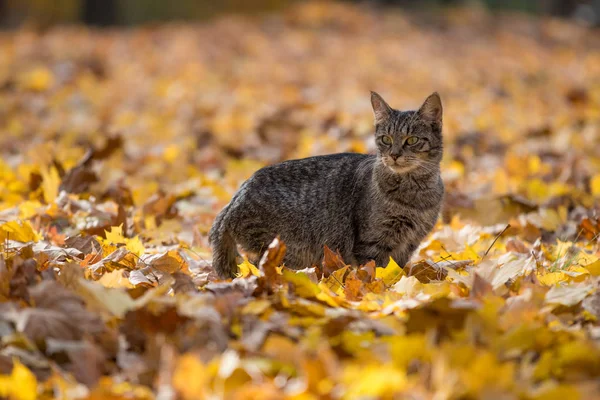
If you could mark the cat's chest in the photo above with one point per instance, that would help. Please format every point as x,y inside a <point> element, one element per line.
<point>401,223</point>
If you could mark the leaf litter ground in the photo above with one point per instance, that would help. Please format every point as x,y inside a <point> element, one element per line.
<point>119,147</point>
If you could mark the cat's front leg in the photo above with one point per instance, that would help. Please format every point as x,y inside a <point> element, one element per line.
<point>376,251</point>
<point>403,253</point>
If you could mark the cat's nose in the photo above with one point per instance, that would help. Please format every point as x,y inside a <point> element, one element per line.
<point>394,156</point>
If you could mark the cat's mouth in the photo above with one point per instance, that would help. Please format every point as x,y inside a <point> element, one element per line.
<point>399,167</point>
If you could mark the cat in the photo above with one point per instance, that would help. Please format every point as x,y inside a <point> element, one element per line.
<point>366,207</point>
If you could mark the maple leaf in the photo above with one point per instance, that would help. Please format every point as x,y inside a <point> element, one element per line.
<point>115,236</point>
<point>390,274</point>
<point>20,231</point>
<point>353,287</point>
<point>246,269</point>
<point>331,262</point>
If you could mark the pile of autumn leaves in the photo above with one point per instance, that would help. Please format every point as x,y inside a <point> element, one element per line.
<point>115,160</point>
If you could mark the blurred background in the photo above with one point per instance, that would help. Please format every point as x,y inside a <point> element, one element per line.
<point>43,13</point>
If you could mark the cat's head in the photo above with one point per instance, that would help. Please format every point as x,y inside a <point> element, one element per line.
<point>409,140</point>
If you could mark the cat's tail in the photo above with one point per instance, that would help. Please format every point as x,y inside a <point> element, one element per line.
<point>223,247</point>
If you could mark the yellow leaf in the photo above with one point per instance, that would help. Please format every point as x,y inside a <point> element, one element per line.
<point>256,307</point>
<point>594,268</point>
<point>171,153</point>
<point>406,349</point>
<point>335,281</point>
<point>577,355</point>
<point>21,231</point>
<point>303,286</point>
<point>38,79</point>
<point>556,392</point>
<point>373,381</point>
<point>114,279</point>
<point>135,246</point>
<point>595,185</point>
<point>390,274</point>
<point>246,269</point>
<point>115,235</point>
<point>150,222</point>
<point>107,388</point>
<point>453,171</point>
<point>552,278</point>
<point>21,384</point>
<point>29,208</point>
<point>50,184</point>
<point>143,192</point>
<point>330,298</point>
<point>485,372</point>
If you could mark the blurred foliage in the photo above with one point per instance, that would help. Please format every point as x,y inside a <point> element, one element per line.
<point>130,12</point>
<point>126,12</point>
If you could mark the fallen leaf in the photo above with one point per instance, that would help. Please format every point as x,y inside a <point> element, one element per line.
<point>21,384</point>
<point>391,273</point>
<point>270,262</point>
<point>568,295</point>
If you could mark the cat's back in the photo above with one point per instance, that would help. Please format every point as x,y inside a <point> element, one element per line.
<point>306,184</point>
<point>332,169</point>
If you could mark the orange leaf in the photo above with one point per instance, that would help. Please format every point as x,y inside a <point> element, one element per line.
<point>331,261</point>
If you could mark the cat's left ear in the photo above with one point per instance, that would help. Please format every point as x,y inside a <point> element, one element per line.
<point>380,108</point>
<point>431,110</point>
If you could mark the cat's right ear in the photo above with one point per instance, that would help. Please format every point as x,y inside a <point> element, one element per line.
<point>380,108</point>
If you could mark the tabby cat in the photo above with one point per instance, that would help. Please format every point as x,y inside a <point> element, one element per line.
<point>367,207</point>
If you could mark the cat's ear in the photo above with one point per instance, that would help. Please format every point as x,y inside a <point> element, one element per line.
<point>431,110</point>
<point>380,108</point>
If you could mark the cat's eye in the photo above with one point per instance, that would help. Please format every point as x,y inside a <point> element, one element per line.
<point>387,140</point>
<point>412,140</point>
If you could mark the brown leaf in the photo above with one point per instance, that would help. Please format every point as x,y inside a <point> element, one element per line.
<point>480,287</point>
<point>270,261</point>
<point>168,262</point>
<point>6,365</point>
<point>160,205</point>
<point>24,275</point>
<point>86,361</point>
<point>331,261</point>
<point>353,287</point>
<point>590,228</point>
<point>516,246</point>
<point>183,283</point>
<point>160,318</point>
<point>78,180</point>
<point>366,273</point>
<point>426,271</point>
<point>58,313</point>
<point>69,275</point>
<point>577,95</point>
<point>118,259</point>
<point>85,244</point>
